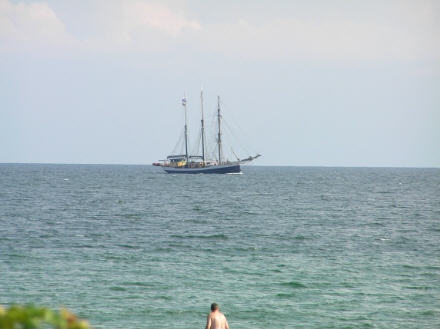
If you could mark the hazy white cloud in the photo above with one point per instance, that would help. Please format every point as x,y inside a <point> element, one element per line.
<point>139,26</point>
<point>354,31</point>
<point>155,15</point>
<point>124,22</point>
<point>336,39</point>
<point>143,26</point>
<point>33,24</point>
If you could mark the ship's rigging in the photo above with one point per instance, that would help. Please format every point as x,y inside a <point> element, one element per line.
<point>204,155</point>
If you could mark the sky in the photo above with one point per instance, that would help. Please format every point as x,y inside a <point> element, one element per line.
<point>304,83</point>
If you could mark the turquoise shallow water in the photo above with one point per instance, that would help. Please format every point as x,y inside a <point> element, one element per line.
<point>131,247</point>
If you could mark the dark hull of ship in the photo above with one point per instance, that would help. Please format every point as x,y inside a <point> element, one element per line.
<point>222,169</point>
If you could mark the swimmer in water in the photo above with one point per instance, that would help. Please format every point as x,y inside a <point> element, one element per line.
<point>216,319</point>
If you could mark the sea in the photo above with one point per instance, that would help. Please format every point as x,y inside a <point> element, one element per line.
<point>128,246</point>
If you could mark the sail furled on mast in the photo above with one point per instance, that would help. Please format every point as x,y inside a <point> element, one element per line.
<point>219,137</point>
<point>186,129</point>
<point>203,127</point>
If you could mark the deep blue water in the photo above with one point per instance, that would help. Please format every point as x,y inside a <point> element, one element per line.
<point>276,247</point>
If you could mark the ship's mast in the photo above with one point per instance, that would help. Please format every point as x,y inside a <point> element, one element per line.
<point>186,130</point>
<point>203,128</point>
<point>219,139</point>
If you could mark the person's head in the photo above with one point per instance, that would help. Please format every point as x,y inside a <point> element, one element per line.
<point>214,307</point>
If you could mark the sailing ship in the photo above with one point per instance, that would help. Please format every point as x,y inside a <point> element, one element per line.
<point>201,163</point>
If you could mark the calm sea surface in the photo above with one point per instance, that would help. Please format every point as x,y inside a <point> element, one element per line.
<point>277,247</point>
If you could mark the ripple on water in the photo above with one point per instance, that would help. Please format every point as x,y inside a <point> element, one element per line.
<point>202,237</point>
<point>293,284</point>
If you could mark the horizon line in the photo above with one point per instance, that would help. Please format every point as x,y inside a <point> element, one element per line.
<point>252,165</point>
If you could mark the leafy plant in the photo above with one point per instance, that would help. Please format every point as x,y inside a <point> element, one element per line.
<point>34,317</point>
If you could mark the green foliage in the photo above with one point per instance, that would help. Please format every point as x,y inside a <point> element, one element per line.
<point>34,317</point>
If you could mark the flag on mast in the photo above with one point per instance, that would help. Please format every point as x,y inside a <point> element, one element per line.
<point>184,101</point>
